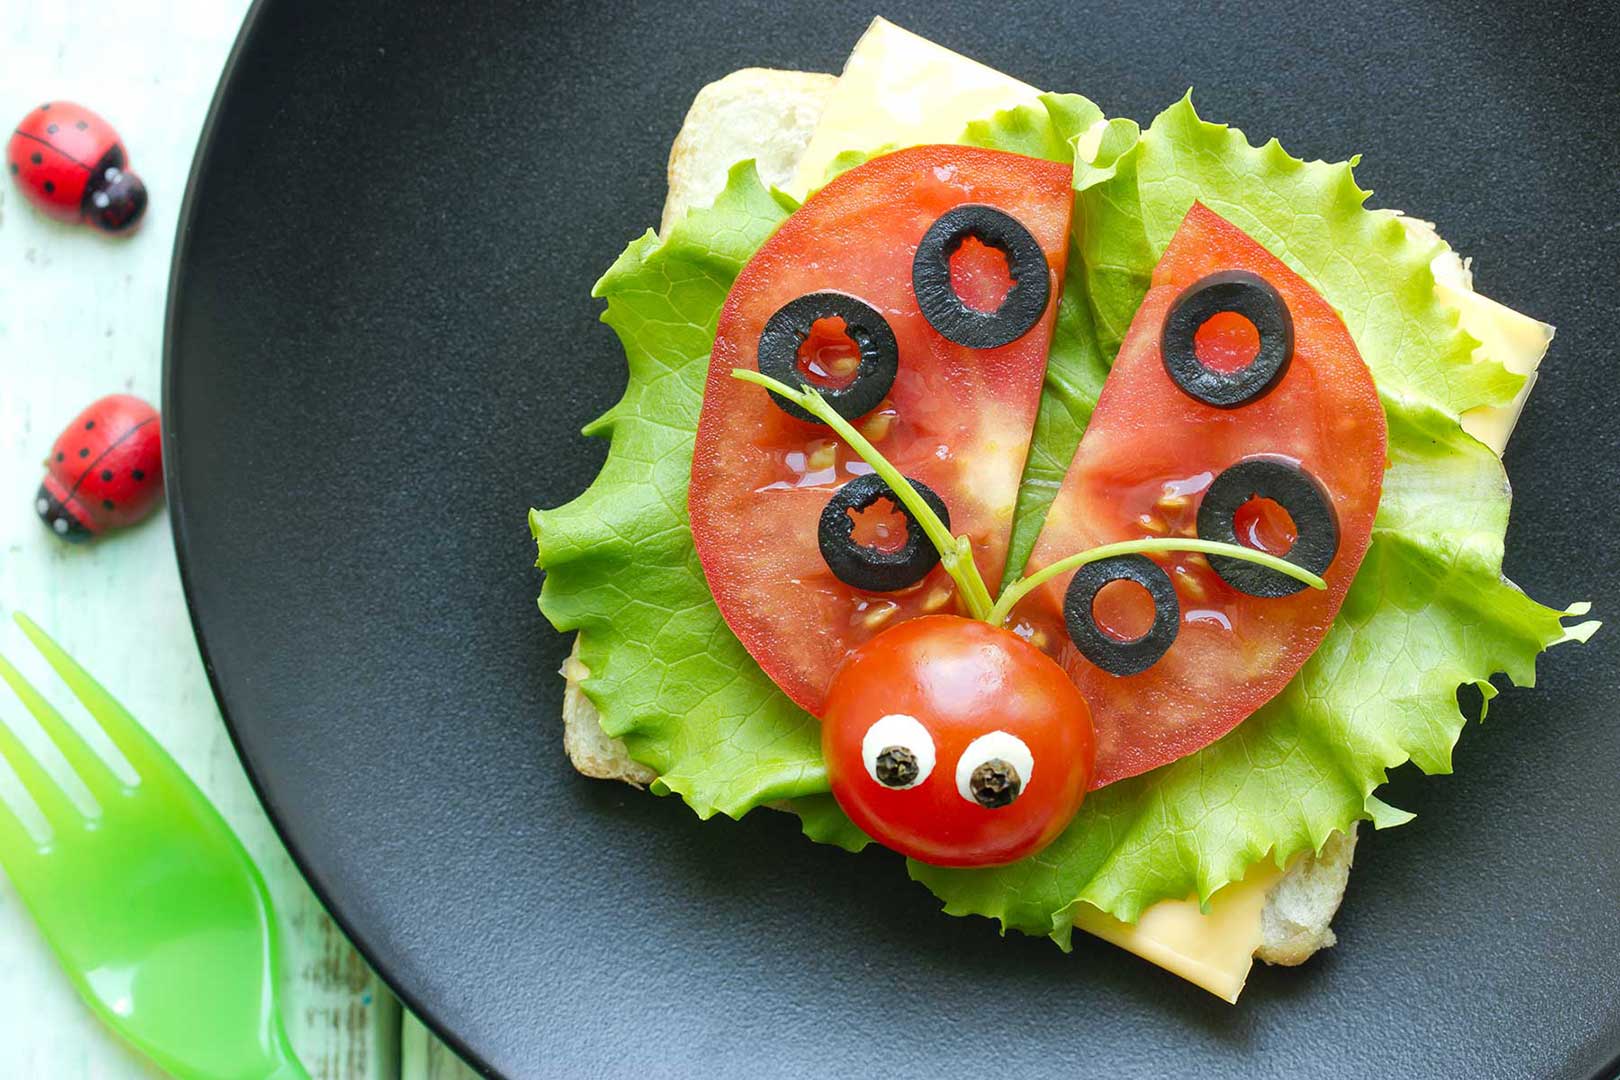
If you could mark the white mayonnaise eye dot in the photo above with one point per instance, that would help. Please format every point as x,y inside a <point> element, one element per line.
<point>997,745</point>
<point>905,735</point>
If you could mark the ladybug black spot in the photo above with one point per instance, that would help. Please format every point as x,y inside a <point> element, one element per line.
<point>89,425</point>
<point>50,187</point>
<point>139,475</point>
<point>60,455</point>
<point>36,157</point>
<point>51,129</point>
<point>106,504</point>
<point>14,168</point>
<point>106,476</point>
<point>84,453</point>
<point>81,125</point>
<point>45,106</point>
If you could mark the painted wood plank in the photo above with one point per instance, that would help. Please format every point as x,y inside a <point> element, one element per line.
<point>423,1057</point>
<point>81,315</point>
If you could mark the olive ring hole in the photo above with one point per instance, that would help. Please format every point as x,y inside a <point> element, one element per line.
<point>1124,610</point>
<point>828,356</point>
<point>1265,525</point>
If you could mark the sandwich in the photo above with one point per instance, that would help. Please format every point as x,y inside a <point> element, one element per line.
<point>1192,453</point>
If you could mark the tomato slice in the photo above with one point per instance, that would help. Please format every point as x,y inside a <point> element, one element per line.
<point>958,419</point>
<point>1148,456</point>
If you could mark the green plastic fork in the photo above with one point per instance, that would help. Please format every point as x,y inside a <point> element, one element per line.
<point>156,912</point>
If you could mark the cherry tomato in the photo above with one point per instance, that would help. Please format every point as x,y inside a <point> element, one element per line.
<point>957,743</point>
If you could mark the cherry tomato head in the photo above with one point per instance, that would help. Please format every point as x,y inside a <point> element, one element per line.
<point>957,743</point>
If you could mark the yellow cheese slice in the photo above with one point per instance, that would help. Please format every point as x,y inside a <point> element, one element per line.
<point>1214,950</point>
<point>899,89</point>
<point>1516,341</point>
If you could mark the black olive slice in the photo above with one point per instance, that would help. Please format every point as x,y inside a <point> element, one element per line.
<point>880,355</point>
<point>1291,488</point>
<point>869,568</point>
<point>1245,294</point>
<point>1106,651</point>
<point>1020,309</point>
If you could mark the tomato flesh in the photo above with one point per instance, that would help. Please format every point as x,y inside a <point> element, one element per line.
<point>1149,453</point>
<point>961,680</point>
<point>958,419</point>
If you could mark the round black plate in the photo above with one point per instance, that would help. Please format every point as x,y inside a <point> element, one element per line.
<point>381,349</point>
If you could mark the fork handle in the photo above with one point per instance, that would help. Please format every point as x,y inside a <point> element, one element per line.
<point>289,1069</point>
<point>287,1066</point>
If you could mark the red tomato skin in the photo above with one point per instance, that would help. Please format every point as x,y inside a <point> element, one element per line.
<point>59,155</point>
<point>105,471</point>
<point>958,419</point>
<point>1324,413</point>
<point>961,678</point>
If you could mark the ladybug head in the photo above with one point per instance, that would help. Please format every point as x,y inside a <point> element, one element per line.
<point>115,198</point>
<point>58,518</point>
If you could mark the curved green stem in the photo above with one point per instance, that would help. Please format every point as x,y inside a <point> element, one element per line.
<point>955,552</point>
<point>1025,585</point>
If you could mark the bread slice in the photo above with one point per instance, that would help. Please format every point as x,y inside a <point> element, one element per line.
<point>770,116</point>
<point>1294,924</point>
<point>757,113</point>
<point>591,750</point>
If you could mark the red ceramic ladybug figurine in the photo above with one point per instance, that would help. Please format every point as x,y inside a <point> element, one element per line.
<point>72,165</point>
<point>105,471</point>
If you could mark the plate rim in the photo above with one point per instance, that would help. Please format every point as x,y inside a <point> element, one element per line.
<point>175,499</point>
<point>176,502</point>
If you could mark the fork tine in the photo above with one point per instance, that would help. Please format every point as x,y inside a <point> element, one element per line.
<point>95,773</point>
<point>16,845</point>
<point>46,793</point>
<point>139,749</point>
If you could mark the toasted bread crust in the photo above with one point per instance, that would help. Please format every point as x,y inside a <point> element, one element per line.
<point>1298,916</point>
<point>591,750</point>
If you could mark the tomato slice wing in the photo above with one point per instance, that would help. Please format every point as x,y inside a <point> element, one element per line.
<point>958,419</point>
<point>1147,457</point>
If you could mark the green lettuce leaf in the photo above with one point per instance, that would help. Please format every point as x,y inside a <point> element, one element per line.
<point>1428,612</point>
<point>667,675</point>
<point>1310,215</point>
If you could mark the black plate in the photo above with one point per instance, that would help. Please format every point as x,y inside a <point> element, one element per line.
<point>381,348</point>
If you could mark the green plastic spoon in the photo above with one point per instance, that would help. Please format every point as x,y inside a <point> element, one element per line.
<point>156,912</point>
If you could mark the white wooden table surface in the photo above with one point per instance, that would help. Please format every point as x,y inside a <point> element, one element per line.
<point>81,315</point>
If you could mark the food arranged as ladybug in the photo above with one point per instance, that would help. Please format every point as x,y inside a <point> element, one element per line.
<point>105,470</point>
<point>72,165</point>
<point>945,332</point>
<point>1092,514</point>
